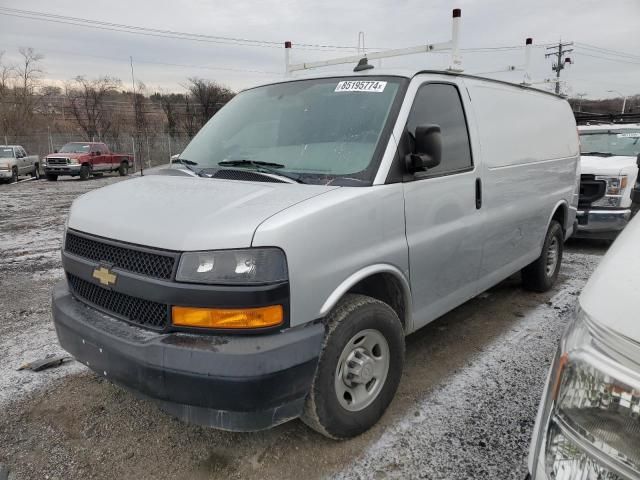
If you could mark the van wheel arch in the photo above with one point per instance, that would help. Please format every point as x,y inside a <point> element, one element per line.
<point>560,214</point>
<point>387,288</point>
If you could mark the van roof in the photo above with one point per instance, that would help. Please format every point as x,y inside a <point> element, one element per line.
<point>401,72</point>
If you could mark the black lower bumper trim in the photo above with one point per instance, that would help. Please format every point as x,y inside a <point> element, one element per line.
<point>236,383</point>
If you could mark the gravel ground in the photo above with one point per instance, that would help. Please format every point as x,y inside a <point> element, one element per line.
<point>465,407</point>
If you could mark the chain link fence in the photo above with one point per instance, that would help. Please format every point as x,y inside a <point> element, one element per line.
<point>149,150</point>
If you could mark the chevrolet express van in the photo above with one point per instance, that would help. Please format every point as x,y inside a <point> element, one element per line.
<point>587,423</point>
<point>313,225</point>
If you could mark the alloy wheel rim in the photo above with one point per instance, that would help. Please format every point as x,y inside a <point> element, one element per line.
<point>362,370</point>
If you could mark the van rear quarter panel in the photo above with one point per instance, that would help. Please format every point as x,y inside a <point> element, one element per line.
<point>529,146</point>
<point>330,238</point>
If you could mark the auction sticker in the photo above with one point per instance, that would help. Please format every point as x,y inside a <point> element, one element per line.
<point>360,86</point>
<point>629,135</point>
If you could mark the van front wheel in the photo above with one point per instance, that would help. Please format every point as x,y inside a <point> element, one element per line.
<point>359,368</point>
<point>541,275</point>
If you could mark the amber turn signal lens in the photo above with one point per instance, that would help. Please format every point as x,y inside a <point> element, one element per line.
<point>230,318</point>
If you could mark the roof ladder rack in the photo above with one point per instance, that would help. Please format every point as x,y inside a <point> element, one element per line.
<point>452,45</point>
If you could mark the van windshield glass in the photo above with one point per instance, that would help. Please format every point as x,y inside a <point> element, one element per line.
<point>611,142</point>
<point>317,130</point>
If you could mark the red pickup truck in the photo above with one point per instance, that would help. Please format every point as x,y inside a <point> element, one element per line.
<point>84,159</point>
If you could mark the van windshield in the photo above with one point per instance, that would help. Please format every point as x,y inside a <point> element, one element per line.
<point>319,131</point>
<point>610,142</point>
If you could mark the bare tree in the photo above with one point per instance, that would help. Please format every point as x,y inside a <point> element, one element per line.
<point>190,121</point>
<point>18,86</point>
<point>6,75</point>
<point>141,121</point>
<point>7,107</point>
<point>209,96</point>
<point>170,103</point>
<point>87,101</point>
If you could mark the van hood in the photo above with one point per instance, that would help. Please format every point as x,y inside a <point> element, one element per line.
<point>610,297</point>
<point>185,213</point>
<point>616,165</point>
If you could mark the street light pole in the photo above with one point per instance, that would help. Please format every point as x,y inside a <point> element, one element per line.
<point>624,99</point>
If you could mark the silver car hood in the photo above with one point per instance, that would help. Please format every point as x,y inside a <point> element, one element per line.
<point>185,213</point>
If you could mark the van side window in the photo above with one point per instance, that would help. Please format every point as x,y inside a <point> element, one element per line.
<point>440,104</point>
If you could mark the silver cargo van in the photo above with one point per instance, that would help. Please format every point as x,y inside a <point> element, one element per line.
<point>313,225</point>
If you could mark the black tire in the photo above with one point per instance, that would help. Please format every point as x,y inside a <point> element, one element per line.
<point>14,175</point>
<point>36,172</point>
<point>542,274</point>
<point>85,172</point>
<point>353,314</point>
<point>123,170</point>
<point>52,177</point>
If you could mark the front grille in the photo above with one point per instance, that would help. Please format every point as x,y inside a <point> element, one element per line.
<point>145,263</point>
<point>57,161</point>
<point>135,310</point>
<point>590,190</point>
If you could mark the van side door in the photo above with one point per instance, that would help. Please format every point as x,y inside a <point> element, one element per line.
<point>442,212</point>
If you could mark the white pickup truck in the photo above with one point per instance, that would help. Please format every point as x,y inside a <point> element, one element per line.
<point>609,171</point>
<point>14,162</point>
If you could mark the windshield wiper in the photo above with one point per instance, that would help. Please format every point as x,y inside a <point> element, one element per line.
<point>188,164</point>
<point>235,163</point>
<point>265,167</point>
<point>597,154</point>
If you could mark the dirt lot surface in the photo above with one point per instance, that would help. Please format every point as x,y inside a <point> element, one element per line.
<point>465,407</point>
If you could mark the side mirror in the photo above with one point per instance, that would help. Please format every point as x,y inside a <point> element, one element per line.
<point>95,153</point>
<point>427,151</point>
<point>55,151</point>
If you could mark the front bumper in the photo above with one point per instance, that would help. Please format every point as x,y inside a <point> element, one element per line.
<point>240,383</point>
<point>6,174</point>
<point>62,169</point>
<point>604,224</point>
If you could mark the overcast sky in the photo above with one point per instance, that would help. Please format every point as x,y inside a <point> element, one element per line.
<point>72,50</point>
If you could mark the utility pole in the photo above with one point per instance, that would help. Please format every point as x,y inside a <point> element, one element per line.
<point>135,113</point>
<point>559,51</point>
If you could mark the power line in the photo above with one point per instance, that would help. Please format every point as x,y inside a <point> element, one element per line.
<point>606,51</point>
<point>138,30</point>
<point>154,32</point>
<point>608,58</point>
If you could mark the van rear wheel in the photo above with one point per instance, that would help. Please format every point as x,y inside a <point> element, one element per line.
<point>359,368</point>
<point>542,274</point>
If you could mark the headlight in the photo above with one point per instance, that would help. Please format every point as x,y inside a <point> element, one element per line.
<point>613,193</point>
<point>73,161</point>
<point>594,426</point>
<point>247,266</point>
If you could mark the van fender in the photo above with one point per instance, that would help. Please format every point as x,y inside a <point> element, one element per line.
<point>360,275</point>
<point>564,203</point>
